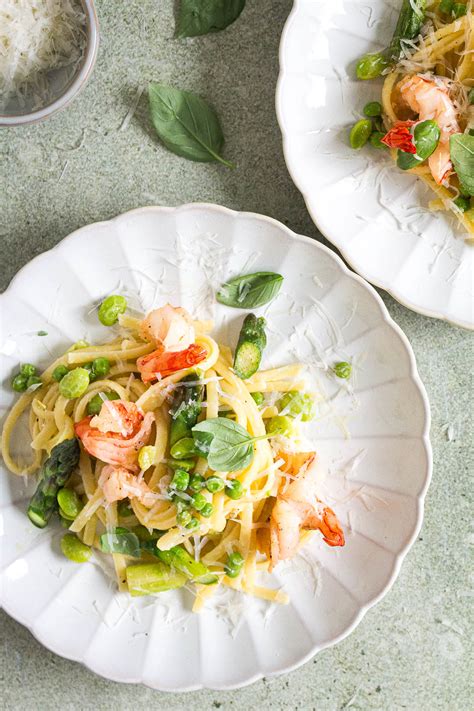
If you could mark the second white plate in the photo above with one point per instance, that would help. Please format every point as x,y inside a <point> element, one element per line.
<point>373,213</point>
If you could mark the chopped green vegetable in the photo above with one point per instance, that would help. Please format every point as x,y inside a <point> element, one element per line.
<point>250,346</point>
<point>296,404</point>
<point>100,366</point>
<point>179,559</point>
<point>373,109</point>
<point>250,290</point>
<point>33,380</point>
<point>147,457</point>
<point>215,484</point>
<point>234,564</point>
<point>198,501</point>
<point>259,398</point>
<point>111,308</point>
<point>69,503</point>
<point>193,524</point>
<point>183,517</point>
<point>149,578</point>
<point>28,369</point>
<point>74,384</point>
<point>375,139</point>
<point>180,480</point>
<point>343,370</point>
<point>207,510</point>
<point>53,476</point>
<point>462,203</point>
<point>78,345</point>
<point>371,66</point>
<point>184,449</point>
<point>281,425</point>
<point>74,549</point>
<point>122,541</point>
<point>94,406</point>
<point>186,408</point>
<point>186,124</point>
<point>42,333</point>
<point>360,133</point>
<point>19,383</point>
<point>186,464</point>
<point>234,489</point>
<point>446,6</point>
<point>59,372</point>
<point>198,17</point>
<point>458,10</point>
<point>197,482</point>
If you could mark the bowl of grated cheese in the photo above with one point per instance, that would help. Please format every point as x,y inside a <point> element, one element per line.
<point>48,49</point>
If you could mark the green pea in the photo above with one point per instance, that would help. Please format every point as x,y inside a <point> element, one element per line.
<point>186,464</point>
<point>74,384</point>
<point>207,510</point>
<point>111,308</point>
<point>234,564</point>
<point>180,480</point>
<point>446,6</point>
<point>360,133</point>
<point>459,9</point>
<point>470,96</point>
<point>94,406</point>
<point>373,109</point>
<point>215,484</point>
<point>197,482</point>
<point>19,383</point>
<point>375,139</point>
<point>343,370</point>
<point>370,66</point>
<point>193,524</point>
<point>463,203</point>
<point>101,366</point>
<point>183,517</point>
<point>90,370</point>
<point>295,404</point>
<point>59,372</point>
<point>183,449</point>
<point>124,509</point>
<point>198,501</point>
<point>33,380</point>
<point>281,425</point>
<point>74,549</point>
<point>28,369</point>
<point>234,489</point>
<point>69,503</point>
<point>259,398</point>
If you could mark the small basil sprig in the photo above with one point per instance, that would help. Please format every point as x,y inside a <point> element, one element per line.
<point>461,148</point>
<point>198,17</point>
<point>226,444</point>
<point>426,137</point>
<point>186,124</point>
<point>250,291</point>
<point>122,541</point>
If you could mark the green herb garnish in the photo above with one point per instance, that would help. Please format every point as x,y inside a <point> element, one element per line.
<point>198,17</point>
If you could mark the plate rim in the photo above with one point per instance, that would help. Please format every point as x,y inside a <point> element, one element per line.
<point>318,221</point>
<point>424,438</point>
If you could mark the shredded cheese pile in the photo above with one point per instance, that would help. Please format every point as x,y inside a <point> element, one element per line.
<point>37,36</point>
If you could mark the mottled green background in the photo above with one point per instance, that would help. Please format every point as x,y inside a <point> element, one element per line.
<point>412,651</point>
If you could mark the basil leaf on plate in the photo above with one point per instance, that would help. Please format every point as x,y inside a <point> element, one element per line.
<point>250,291</point>
<point>426,138</point>
<point>122,541</point>
<point>461,147</point>
<point>186,124</point>
<point>231,446</point>
<point>198,17</point>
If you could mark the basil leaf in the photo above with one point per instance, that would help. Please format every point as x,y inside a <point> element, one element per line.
<point>198,17</point>
<point>250,290</point>
<point>186,124</point>
<point>426,138</point>
<point>410,22</point>
<point>122,541</point>
<point>231,447</point>
<point>461,148</point>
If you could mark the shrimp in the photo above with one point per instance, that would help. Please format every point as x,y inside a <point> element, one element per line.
<point>296,509</point>
<point>170,327</point>
<point>430,100</point>
<point>117,434</point>
<point>119,483</point>
<point>161,363</point>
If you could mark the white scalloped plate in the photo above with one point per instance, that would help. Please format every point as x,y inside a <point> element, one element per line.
<point>361,202</point>
<point>376,479</point>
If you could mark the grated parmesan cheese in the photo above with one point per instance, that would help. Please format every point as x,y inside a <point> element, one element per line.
<point>37,36</point>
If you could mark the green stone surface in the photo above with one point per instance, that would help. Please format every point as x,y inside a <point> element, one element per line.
<point>412,651</point>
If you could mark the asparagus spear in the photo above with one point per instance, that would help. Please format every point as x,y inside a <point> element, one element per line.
<point>149,578</point>
<point>186,409</point>
<point>252,341</point>
<point>53,476</point>
<point>179,559</point>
